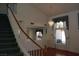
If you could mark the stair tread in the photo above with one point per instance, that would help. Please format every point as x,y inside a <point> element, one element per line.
<point>9,43</point>
<point>8,46</point>
<point>12,54</point>
<point>9,49</point>
<point>4,38</point>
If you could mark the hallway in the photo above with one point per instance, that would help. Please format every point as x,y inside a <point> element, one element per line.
<point>25,30</point>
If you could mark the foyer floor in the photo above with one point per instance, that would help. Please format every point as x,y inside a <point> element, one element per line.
<point>58,52</point>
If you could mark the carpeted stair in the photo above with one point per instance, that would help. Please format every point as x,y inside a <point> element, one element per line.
<point>8,44</point>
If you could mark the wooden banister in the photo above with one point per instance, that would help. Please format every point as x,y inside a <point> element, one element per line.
<point>22,29</point>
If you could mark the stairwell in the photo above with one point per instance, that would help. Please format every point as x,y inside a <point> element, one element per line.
<point>8,44</point>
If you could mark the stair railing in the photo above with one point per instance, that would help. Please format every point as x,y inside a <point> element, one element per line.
<point>35,53</point>
<point>39,52</point>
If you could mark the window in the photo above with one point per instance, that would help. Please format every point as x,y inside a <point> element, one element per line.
<point>39,35</point>
<point>60,32</point>
<point>63,19</point>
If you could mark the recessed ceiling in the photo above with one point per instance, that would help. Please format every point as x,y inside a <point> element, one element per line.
<point>51,9</point>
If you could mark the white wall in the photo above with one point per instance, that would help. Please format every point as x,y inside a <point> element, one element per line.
<point>50,37</point>
<point>73,40</point>
<point>27,14</point>
<point>74,32</point>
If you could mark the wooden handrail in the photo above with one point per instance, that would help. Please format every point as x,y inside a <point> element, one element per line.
<point>22,29</point>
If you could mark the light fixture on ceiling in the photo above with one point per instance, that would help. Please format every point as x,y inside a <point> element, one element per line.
<point>50,22</point>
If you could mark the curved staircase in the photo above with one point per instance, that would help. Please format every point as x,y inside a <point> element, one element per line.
<point>8,44</point>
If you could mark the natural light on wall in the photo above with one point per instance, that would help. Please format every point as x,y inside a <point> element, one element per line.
<point>63,37</point>
<point>60,32</point>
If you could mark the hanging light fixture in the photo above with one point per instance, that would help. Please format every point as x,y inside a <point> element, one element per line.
<point>50,23</point>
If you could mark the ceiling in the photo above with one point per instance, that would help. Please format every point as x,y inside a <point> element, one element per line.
<point>51,9</point>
